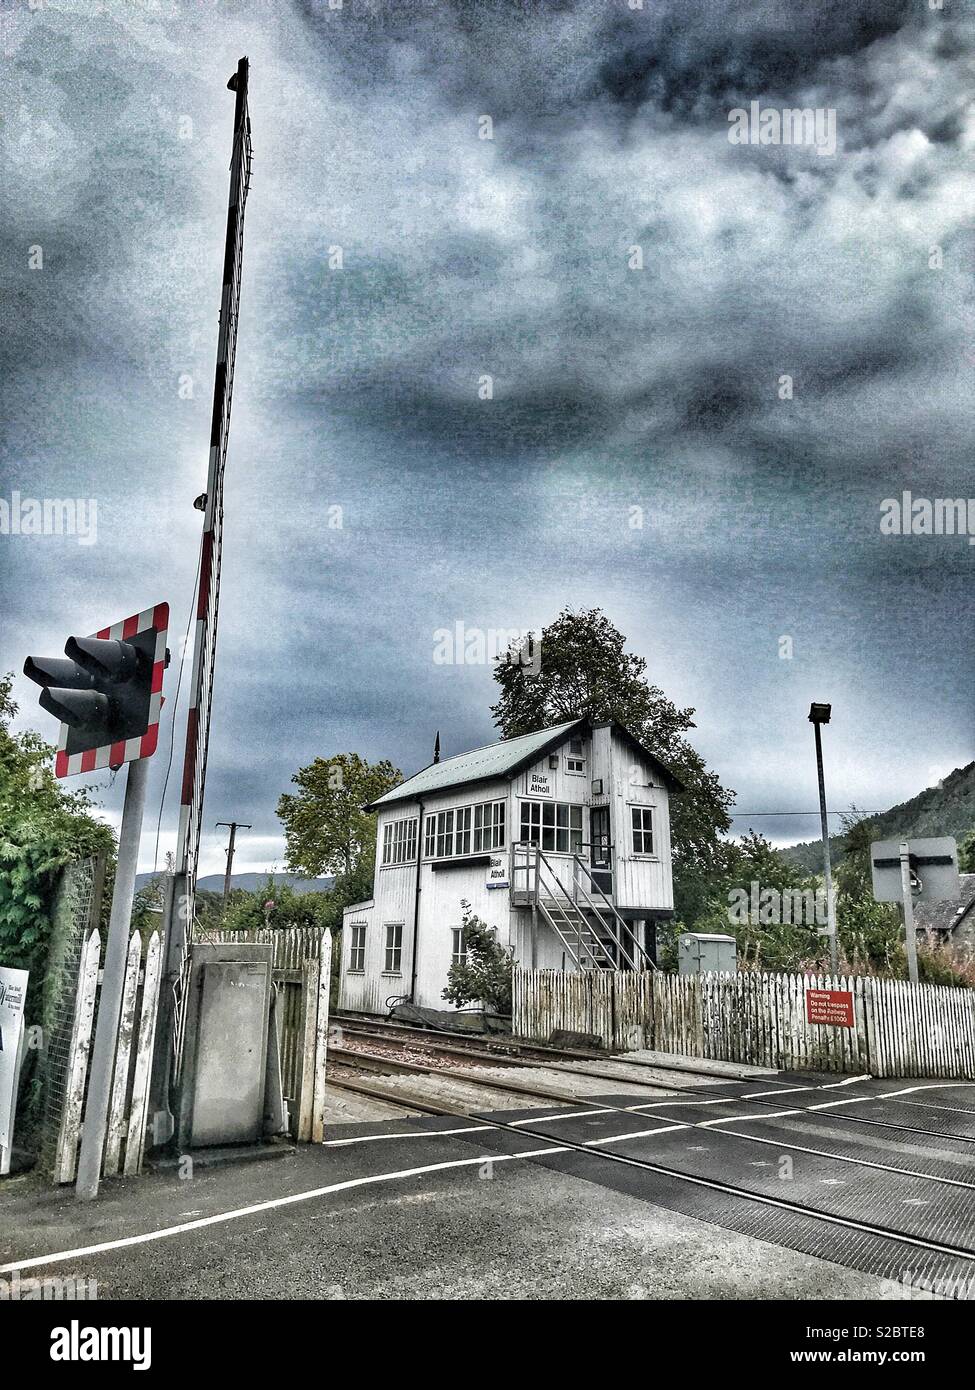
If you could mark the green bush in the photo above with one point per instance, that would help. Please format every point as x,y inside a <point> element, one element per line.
<point>43,828</point>
<point>485,976</point>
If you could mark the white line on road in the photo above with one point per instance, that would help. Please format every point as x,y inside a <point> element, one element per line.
<point>164,1232</point>
<point>409,1134</point>
<point>640,1134</point>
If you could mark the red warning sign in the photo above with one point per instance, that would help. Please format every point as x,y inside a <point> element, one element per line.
<point>831,1006</point>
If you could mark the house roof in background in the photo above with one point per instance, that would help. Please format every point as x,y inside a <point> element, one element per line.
<point>948,915</point>
<point>503,759</point>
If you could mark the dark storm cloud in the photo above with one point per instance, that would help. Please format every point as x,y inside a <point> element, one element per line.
<point>563,168</point>
<point>695,59</point>
<point>508,258</point>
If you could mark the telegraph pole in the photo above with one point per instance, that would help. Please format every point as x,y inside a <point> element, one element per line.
<point>233,826</point>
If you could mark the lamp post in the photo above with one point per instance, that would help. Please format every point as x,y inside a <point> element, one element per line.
<point>818,715</point>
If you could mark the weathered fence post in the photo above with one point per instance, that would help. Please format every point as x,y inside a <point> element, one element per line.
<point>66,1153</point>
<point>136,1138</point>
<point>123,1049</point>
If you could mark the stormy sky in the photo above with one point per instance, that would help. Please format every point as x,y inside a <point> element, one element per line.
<point>620,394</point>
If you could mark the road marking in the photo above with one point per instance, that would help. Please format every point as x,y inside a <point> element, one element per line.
<point>146,1237</point>
<point>566,1115</point>
<point>642,1134</point>
<point>731,1119</point>
<point>930,1105</point>
<point>410,1134</point>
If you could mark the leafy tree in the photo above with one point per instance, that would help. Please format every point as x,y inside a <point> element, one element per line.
<point>276,905</point>
<point>870,933</point>
<point>43,827</point>
<point>966,853</point>
<point>208,908</point>
<point>485,976</point>
<point>325,827</point>
<point>584,670</point>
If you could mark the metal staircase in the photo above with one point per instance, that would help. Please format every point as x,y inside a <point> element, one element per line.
<point>591,930</point>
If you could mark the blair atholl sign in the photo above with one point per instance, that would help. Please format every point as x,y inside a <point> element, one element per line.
<point>832,1006</point>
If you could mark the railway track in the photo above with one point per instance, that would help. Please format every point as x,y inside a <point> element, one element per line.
<point>509,1048</point>
<point>377,1062</point>
<point>533,1127</point>
<point>532,1055</point>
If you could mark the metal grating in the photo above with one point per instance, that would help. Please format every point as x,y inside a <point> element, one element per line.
<point>77,909</point>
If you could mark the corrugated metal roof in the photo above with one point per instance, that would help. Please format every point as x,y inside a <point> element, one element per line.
<point>493,760</point>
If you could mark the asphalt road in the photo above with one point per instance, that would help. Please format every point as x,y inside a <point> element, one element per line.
<point>443,1208</point>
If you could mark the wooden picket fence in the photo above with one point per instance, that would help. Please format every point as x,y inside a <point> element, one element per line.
<point>125,1137</point>
<point>757,1017</point>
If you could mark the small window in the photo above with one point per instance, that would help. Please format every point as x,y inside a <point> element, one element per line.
<point>462,831</point>
<point>575,761</point>
<point>458,946</point>
<point>357,948</point>
<point>642,829</point>
<point>399,841</point>
<point>443,837</point>
<point>394,948</point>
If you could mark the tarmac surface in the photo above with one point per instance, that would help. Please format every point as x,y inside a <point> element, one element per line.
<point>722,1195</point>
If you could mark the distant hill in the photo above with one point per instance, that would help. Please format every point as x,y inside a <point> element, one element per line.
<point>948,809</point>
<point>252,883</point>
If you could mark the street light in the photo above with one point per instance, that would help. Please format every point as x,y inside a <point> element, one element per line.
<point>818,715</point>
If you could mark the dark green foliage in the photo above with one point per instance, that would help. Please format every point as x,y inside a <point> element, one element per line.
<point>737,865</point>
<point>277,906</point>
<point>43,827</point>
<point>485,977</point>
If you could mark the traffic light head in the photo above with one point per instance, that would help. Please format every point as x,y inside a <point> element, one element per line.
<point>107,694</point>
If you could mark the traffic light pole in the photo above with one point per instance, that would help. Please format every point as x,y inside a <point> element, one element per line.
<point>113,979</point>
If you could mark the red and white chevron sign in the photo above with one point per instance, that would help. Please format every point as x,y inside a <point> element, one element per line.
<point>114,754</point>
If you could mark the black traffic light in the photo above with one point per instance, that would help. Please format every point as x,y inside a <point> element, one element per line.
<point>102,692</point>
